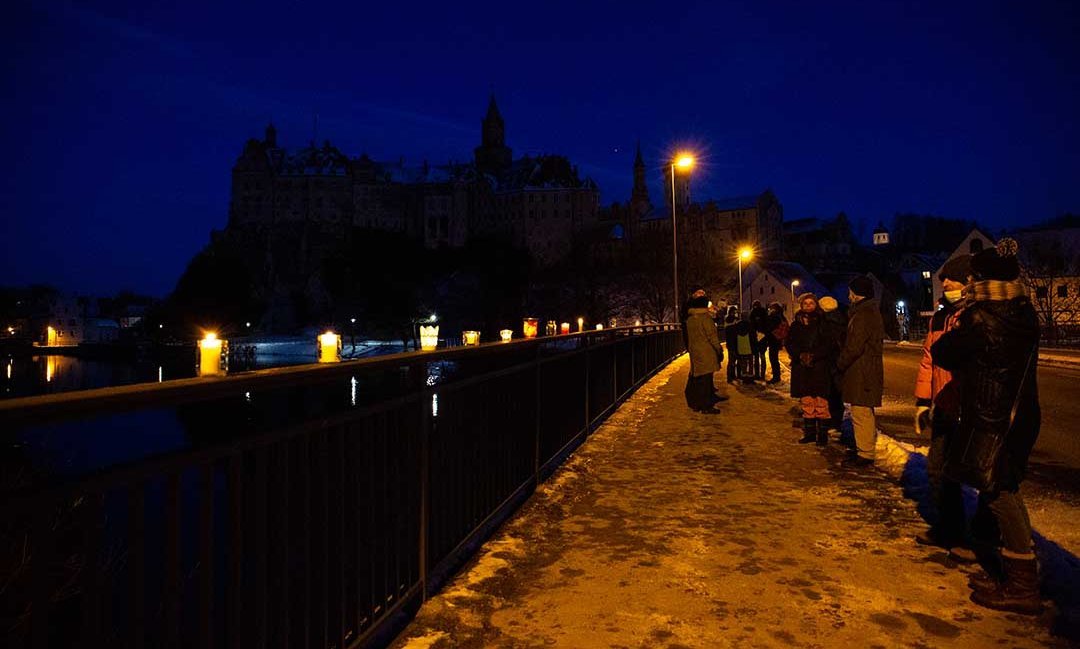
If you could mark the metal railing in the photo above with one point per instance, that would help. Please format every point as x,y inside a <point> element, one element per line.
<point>297,513</point>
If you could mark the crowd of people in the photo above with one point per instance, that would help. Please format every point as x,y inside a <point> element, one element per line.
<point>976,397</point>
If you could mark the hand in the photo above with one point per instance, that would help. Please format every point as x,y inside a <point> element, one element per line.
<point>922,419</point>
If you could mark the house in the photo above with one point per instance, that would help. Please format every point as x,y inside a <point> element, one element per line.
<point>778,281</point>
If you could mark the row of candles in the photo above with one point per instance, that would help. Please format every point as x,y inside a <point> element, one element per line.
<point>213,351</point>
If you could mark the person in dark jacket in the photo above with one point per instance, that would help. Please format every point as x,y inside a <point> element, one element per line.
<point>706,355</point>
<point>731,340</point>
<point>863,371</point>
<point>777,325</point>
<point>758,320</point>
<point>834,328</point>
<point>994,351</point>
<point>937,402</point>
<point>808,349</point>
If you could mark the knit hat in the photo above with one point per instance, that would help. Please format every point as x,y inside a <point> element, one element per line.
<point>806,296</point>
<point>997,263</point>
<point>828,303</point>
<point>862,286</point>
<point>957,269</point>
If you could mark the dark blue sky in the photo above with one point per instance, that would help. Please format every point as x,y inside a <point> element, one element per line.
<point>122,120</point>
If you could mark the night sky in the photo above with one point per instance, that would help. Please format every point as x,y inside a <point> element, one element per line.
<point>121,120</point>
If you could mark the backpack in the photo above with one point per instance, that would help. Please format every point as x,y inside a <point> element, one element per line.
<point>781,331</point>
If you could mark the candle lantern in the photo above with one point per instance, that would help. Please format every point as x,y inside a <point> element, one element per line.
<point>212,355</point>
<point>470,337</point>
<point>564,328</point>
<point>329,347</point>
<point>580,324</point>
<point>549,328</point>
<point>599,326</point>
<point>429,337</point>
<point>506,334</point>
<point>529,327</point>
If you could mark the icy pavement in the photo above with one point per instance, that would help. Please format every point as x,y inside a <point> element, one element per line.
<point>673,529</point>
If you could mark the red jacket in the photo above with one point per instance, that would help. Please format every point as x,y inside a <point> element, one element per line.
<point>934,383</point>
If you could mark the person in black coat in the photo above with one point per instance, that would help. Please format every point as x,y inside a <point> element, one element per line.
<point>993,350</point>
<point>731,321</point>
<point>834,328</point>
<point>759,321</point>
<point>810,372</point>
<point>777,325</point>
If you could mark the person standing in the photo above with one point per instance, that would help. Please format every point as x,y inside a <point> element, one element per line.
<point>731,339</point>
<point>808,350</point>
<point>834,328</point>
<point>994,350</point>
<point>778,328</point>
<point>706,355</point>
<point>937,402</point>
<point>758,321</point>
<point>860,363</point>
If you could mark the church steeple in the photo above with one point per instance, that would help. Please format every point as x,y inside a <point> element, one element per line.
<point>639,196</point>
<point>492,156</point>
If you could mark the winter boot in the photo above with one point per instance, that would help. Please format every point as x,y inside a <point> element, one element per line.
<point>1020,591</point>
<point>822,426</point>
<point>809,430</point>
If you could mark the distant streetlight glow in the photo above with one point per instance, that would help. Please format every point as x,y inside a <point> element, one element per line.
<point>794,283</point>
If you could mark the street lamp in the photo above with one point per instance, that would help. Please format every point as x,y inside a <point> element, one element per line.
<point>794,283</point>
<point>682,161</point>
<point>744,255</point>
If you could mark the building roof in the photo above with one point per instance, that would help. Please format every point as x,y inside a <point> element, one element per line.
<point>786,272</point>
<point>736,203</point>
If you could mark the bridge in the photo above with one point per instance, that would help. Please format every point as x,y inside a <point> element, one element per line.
<point>554,491</point>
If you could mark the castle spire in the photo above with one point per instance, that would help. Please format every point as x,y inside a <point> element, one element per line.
<point>639,196</point>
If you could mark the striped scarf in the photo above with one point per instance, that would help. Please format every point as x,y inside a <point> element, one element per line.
<point>993,290</point>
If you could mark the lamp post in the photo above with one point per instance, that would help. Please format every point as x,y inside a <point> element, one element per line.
<point>682,161</point>
<point>744,255</point>
<point>794,283</point>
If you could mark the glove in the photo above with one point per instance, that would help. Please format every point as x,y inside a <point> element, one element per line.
<point>922,419</point>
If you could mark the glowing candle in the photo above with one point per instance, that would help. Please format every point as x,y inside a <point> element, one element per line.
<point>529,327</point>
<point>329,347</point>
<point>470,337</point>
<point>564,328</point>
<point>581,324</point>
<point>549,328</point>
<point>429,337</point>
<point>506,334</point>
<point>210,349</point>
<point>599,326</point>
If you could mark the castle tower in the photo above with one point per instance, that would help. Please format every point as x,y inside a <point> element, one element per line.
<point>639,196</point>
<point>881,235</point>
<point>492,156</point>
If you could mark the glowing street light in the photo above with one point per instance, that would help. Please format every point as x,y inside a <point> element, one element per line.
<point>794,283</point>
<point>685,162</point>
<point>745,254</point>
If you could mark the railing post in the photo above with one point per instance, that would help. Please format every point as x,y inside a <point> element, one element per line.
<point>425,484</point>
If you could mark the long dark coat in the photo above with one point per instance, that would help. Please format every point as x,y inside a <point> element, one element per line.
<point>808,380</point>
<point>863,373</point>
<point>989,350</point>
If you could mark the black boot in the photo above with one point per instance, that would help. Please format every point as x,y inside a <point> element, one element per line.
<point>1019,592</point>
<point>809,430</point>
<point>822,432</point>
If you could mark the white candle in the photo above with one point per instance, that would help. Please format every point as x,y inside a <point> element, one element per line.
<point>329,347</point>
<point>210,355</point>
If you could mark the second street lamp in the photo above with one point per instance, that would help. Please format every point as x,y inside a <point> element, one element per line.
<point>686,162</point>
<point>744,255</point>
<point>794,283</point>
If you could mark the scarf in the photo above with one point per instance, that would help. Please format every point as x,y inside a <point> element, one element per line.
<point>993,290</point>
